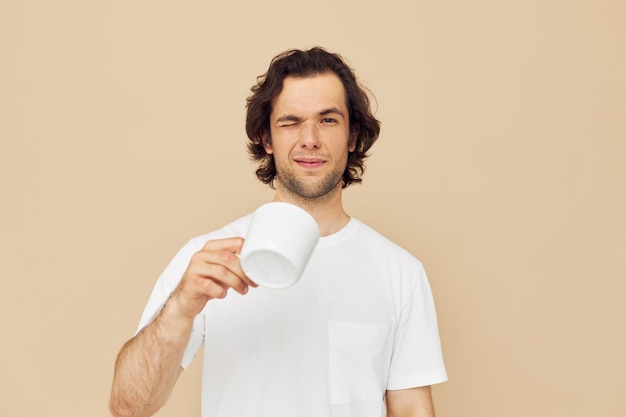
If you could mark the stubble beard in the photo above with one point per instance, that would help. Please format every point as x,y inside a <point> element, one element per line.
<point>309,190</point>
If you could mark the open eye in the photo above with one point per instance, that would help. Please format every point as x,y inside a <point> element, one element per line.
<point>329,120</point>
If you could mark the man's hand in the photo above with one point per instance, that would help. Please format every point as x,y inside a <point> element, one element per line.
<point>212,271</point>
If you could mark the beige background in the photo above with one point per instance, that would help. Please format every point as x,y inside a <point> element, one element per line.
<point>501,165</point>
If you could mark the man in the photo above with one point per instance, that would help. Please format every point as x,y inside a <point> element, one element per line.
<point>356,336</point>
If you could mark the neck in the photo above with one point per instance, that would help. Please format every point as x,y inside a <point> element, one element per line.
<point>327,211</point>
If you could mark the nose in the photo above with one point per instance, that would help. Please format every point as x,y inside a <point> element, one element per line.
<point>309,135</point>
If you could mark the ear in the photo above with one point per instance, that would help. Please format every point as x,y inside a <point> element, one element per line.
<point>354,133</point>
<point>266,140</point>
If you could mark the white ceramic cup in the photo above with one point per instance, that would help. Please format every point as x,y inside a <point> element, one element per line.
<point>279,242</point>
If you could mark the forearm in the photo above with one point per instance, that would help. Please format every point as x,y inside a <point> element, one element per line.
<point>412,402</point>
<point>148,365</point>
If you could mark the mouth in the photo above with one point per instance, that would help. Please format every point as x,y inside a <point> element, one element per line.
<point>309,163</point>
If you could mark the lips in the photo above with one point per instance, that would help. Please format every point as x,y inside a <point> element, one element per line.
<point>309,163</point>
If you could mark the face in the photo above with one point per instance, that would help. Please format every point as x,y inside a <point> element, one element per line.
<point>310,136</point>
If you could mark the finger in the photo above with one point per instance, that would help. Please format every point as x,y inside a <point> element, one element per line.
<point>213,288</point>
<point>225,277</point>
<point>223,267</point>
<point>232,245</point>
<point>200,287</point>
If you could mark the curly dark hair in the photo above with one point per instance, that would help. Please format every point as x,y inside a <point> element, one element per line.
<point>306,63</point>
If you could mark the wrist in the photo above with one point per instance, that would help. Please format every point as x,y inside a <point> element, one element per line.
<point>173,320</point>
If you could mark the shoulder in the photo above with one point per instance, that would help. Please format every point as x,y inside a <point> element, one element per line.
<point>237,228</point>
<point>376,241</point>
<point>181,260</point>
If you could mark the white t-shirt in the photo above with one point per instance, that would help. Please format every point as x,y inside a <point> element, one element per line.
<point>360,321</point>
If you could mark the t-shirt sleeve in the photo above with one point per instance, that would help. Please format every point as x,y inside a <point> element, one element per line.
<point>417,358</point>
<point>164,286</point>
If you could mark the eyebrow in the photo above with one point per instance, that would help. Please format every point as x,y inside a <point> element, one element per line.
<point>325,112</point>
<point>288,118</point>
<point>332,110</point>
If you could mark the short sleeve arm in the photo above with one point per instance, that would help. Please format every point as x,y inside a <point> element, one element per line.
<point>417,358</point>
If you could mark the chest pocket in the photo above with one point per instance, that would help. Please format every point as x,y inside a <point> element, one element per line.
<point>360,354</point>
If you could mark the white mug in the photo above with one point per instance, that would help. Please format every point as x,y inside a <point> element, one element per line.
<point>279,242</point>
